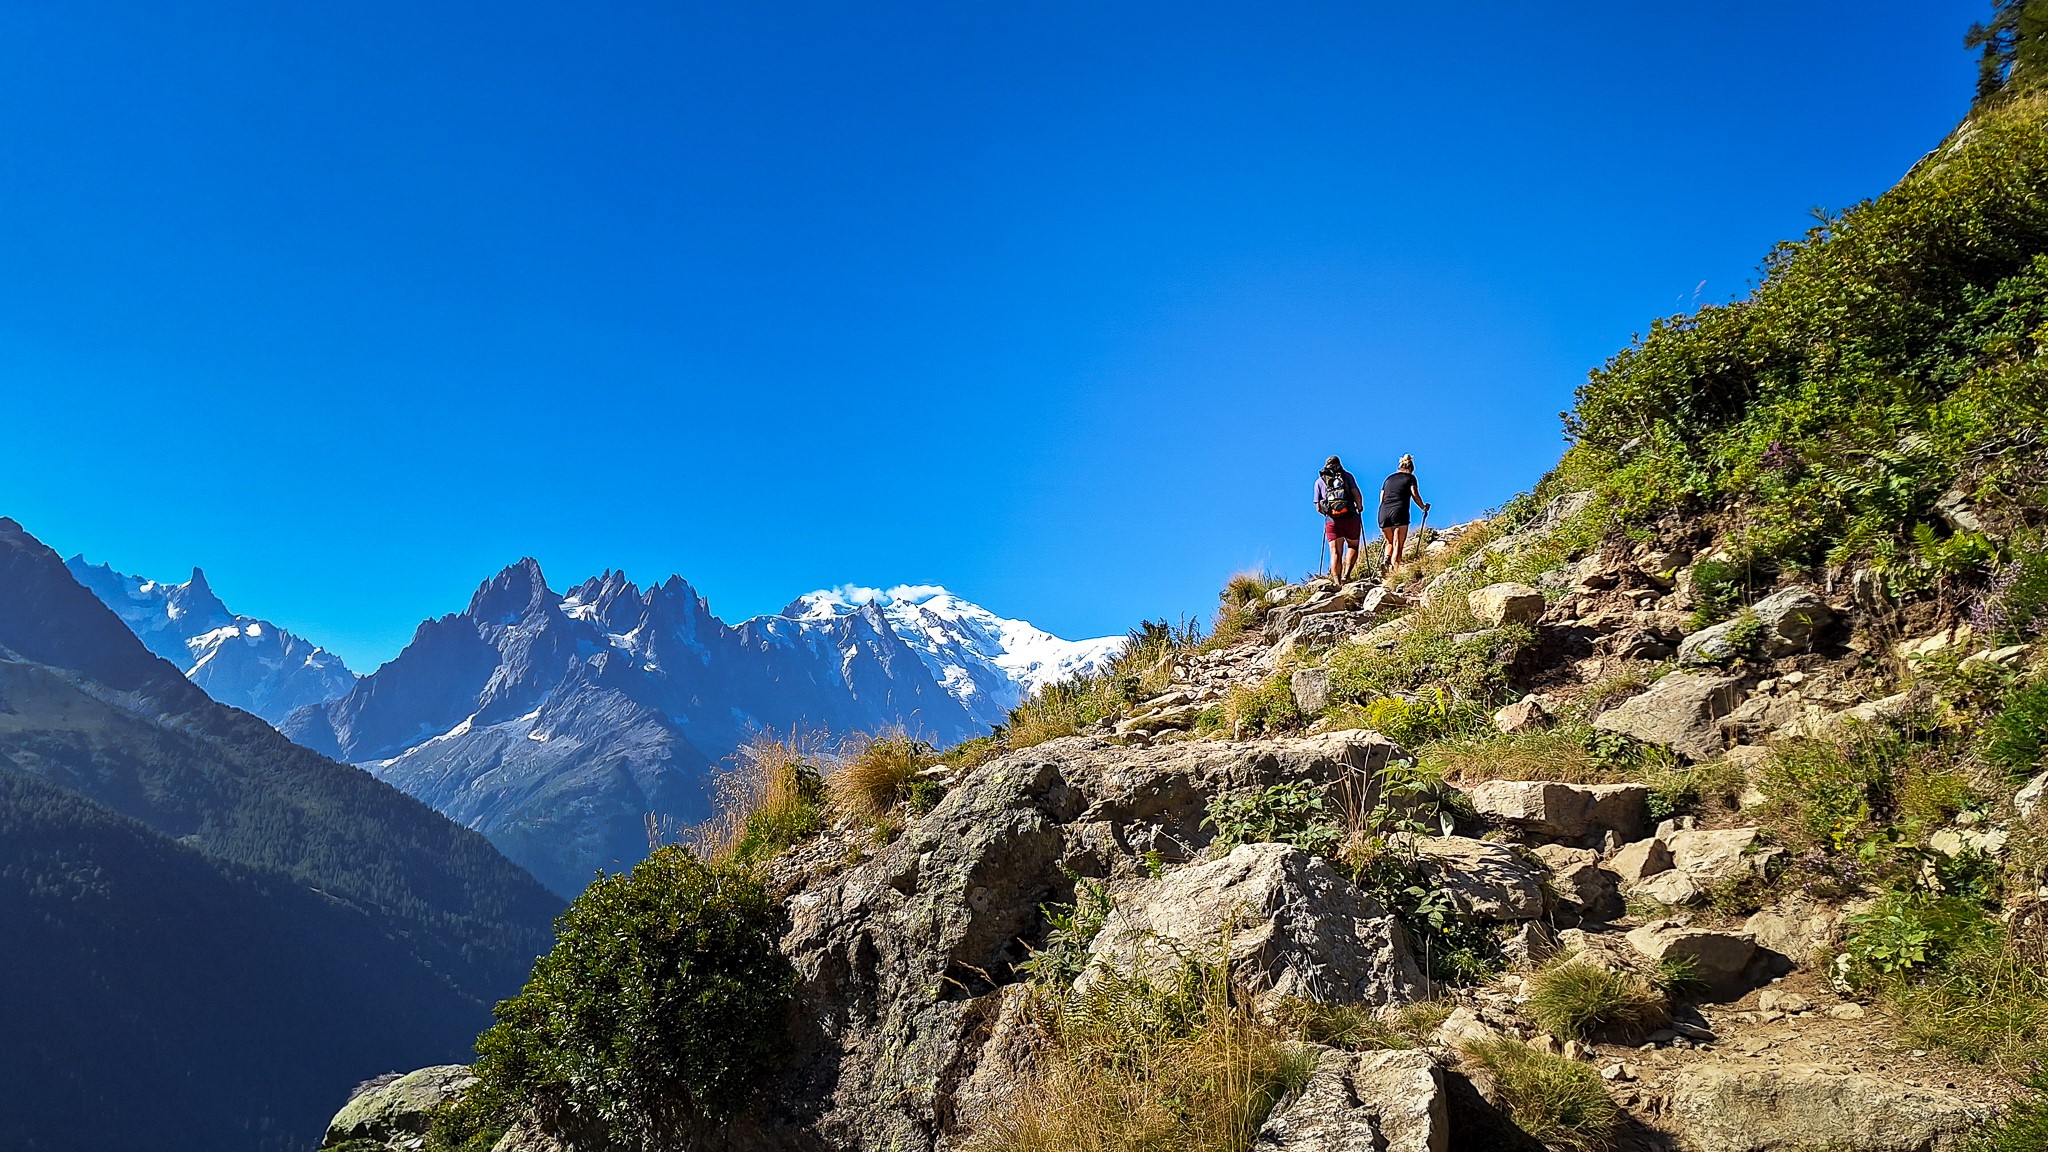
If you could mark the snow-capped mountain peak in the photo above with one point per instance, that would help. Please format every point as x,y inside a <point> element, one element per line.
<point>238,660</point>
<point>987,662</point>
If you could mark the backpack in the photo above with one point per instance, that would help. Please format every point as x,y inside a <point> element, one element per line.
<point>1339,497</point>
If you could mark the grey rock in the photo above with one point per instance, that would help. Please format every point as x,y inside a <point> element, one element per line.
<point>1569,811</point>
<point>1525,715</point>
<point>1502,604</point>
<point>1672,889</point>
<point>399,1107</point>
<point>1372,1101</point>
<point>1793,1108</point>
<point>1641,860</point>
<point>1311,689</point>
<point>1681,711</point>
<point>1792,620</point>
<point>1582,887</point>
<point>1710,856</point>
<point>1293,925</point>
<point>1719,957</point>
<point>1490,881</point>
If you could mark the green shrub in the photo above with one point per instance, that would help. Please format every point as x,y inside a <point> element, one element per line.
<point>1142,667</point>
<point>662,1009</point>
<point>1268,706</point>
<point>1829,793</point>
<point>1297,813</point>
<point>1071,928</point>
<point>769,799</point>
<point>1905,932</point>
<point>1445,651</point>
<point>2013,739</point>
<point>1415,721</point>
<point>1560,1103</point>
<point>1572,998</point>
<point>1455,947</point>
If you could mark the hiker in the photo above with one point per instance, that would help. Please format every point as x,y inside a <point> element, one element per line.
<point>1395,494</point>
<point>1338,500</point>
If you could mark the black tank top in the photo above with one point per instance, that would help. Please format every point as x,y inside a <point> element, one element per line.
<point>1396,492</point>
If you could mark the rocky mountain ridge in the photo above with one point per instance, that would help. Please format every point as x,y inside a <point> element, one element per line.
<point>561,724</point>
<point>241,661</point>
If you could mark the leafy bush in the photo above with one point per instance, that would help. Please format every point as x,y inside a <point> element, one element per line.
<point>1560,1103</point>
<point>1414,721</point>
<point>1297,813</point>
<point>1572,998</point>
<point>1268,706</point>
<point>1444,650</point>
<point>1149,1064</point>
<point>2013,738</point>
<point>662,1008</point>
<point>1071,929</point>
<point>1456,947</point>
<point>1908,931</point>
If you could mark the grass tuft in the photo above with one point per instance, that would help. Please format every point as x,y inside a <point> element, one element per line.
<point>1558,1102</point>
<point>771,798</point>
<point>878,774</point>
<point>1571,998</point>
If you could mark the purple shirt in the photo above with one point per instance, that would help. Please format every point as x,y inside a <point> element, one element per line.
<point>1322,490</point>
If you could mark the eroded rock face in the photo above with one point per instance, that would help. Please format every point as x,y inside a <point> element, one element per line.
<point>1682,711</point>
<point>1792,1109</point>
<point>1374,1101</point>
<point>399,1107</point>
<point>1292,926</point>
<point>1718,958</point>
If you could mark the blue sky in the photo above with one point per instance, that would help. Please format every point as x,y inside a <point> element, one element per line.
<point>1059,305</point>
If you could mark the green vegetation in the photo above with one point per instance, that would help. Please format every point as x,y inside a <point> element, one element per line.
<point>2013,740</point>
<point>1572,998</point>
<point>2024,1126</point>
<point>1887,359</point>
<point>1143,667</point>
<point>1267,706</point>
<point>1296,812</point>
<point>1237,607</point>
<point>1558,1102</point>
<point>661,1010</point>
<point>1149,1064</point>
<point>1071,928</point>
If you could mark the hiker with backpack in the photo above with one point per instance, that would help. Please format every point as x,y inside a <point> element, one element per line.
<point>1395,494</point>
<point>1337,498</point>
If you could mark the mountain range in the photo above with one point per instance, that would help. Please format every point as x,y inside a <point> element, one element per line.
<point>250,664</point>
<point>560,724</point>
<point>212,933</point>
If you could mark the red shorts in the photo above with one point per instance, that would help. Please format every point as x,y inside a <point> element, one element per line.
<point>1345,527</point>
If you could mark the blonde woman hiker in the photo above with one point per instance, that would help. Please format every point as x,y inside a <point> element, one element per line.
<point>1395,494</point>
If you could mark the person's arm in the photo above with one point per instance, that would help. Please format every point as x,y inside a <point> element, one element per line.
<point>1319,494</point>
<point>1415,494</point>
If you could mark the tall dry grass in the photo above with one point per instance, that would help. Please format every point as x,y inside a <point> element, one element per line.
<point>876,774</point>
<point>772,796</point>
<point>1150,1064</point>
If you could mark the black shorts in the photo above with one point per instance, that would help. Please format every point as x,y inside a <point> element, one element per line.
<point>1390,518</point>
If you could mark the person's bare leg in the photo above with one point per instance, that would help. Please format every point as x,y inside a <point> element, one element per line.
<point>1386,552</point>
<point>1400,542</point>
<point>1350,560</point>
<point>1337,561</point>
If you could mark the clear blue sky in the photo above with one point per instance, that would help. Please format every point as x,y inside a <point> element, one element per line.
<point>1059,305</point>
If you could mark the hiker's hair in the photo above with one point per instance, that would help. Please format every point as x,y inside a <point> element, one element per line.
<point>1407,463</point>
<point>1332,464</point>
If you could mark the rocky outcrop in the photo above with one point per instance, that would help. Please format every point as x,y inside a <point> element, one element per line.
<point>1717,959</point>
<point>1498,605</point>
<point>909,961</point>
<point>1489,881</point>
<point>396,1111</point>
<point>1793,1109</point>
<point>1377,1101</point>
<point>1286,923</point>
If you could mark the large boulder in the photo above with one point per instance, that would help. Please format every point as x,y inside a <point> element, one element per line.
<point>1287,923</point>
<point>1723,1108</point>
<point>1564,811</point>
<point>1310,688</point>
<point>1374,1101</point>
<point>1490,881</point>
<point>1682,711</point>
<point>1501,604</point>
<point>1781,624</point>
<point>389,1111</point>
<point>1718,958</point>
